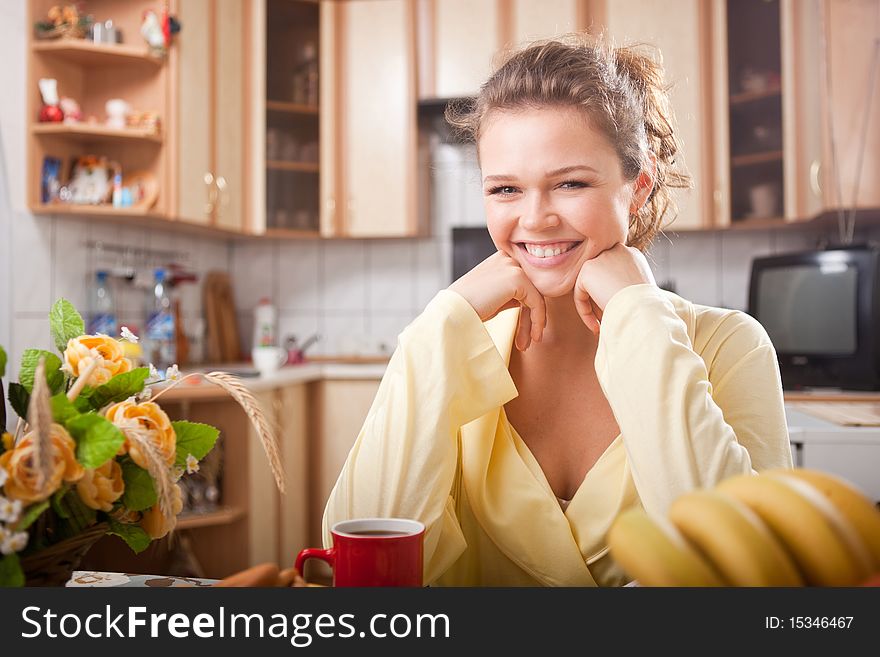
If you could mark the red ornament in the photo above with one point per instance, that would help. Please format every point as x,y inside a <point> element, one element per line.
<point>51,113</point>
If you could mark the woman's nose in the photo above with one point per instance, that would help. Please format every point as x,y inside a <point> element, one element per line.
<point>538,214</point>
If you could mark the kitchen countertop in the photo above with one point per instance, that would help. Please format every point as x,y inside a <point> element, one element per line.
<point>198,388</point>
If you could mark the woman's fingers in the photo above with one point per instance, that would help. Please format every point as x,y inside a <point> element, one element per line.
<point>523,330</point>
<point>528,295</point>
<point>586,309</point>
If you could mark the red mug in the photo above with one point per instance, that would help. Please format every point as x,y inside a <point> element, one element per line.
<point>372,552</point>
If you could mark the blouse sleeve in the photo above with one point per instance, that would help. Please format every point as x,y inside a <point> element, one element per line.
<point>445,372</point>
<point>690,415</point>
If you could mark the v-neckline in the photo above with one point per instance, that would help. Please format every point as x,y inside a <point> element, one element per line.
<point>537,471</point>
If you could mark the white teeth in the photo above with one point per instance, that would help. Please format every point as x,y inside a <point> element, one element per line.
<point>540,252</point>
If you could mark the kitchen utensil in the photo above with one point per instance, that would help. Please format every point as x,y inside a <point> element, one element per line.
<point>267,359</point>
<point>222,328</point>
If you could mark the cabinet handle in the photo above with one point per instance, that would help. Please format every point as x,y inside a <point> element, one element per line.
<point>212,193</point>
<point>815,169</point>
<point>223,189</point>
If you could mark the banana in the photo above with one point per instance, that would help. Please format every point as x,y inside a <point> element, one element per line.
<point>858,509</point>
<point>733,539</point>
<point>821,542</point>
<point>654,554</point>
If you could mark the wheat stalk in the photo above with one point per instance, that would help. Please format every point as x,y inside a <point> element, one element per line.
<point>40,423</point>
<point>156,466</point>
<point>233,385</point>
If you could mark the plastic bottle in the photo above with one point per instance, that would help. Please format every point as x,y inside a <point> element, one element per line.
<point>159,345</point>
<point>103,312</point>
<point>265,322</point>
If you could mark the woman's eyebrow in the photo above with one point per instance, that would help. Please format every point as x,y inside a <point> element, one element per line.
<point>549,174</point>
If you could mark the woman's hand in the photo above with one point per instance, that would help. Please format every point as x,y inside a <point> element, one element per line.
<point>604,276</point>
<point>499,283</point>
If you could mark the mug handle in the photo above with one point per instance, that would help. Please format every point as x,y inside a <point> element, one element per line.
<point>328,556</point>
<point>282,356</point>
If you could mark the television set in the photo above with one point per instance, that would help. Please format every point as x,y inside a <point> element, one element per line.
<point>821,309</point>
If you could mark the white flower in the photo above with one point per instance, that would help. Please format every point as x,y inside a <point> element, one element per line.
<point>14,542</point>
<point>3,477</point>
<point>154,377</point>
<point>10,510</point>
<point>144,395</point>
<point>176,473</point>
<point>128,336</point>
<point>172,373</point>
<point>192,464</point>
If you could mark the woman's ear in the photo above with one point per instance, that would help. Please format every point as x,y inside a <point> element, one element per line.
<point>644,184</point>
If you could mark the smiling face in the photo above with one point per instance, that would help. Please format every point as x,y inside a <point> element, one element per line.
<point>554,192</point>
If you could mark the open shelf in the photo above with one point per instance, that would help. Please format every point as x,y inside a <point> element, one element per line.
<point>291,108</point>
<point>86,210</point>
<point>305,167</point>
<point>81,51</point>
<point>755,158</point>
<point>222,516</point>
<point>91,132</point>
<point>751,96</point>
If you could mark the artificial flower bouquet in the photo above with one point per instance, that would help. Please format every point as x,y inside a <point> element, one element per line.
<point>92,453</point>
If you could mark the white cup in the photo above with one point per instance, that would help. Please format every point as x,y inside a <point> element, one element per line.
<point>268,359</point>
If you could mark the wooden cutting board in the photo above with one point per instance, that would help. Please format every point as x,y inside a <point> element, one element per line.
<point>221,324</point>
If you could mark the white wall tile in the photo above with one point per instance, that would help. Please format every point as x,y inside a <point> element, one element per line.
<point>344,276</point>
<point>737,251</point>
<point>254,273</point>
<point>71,276</point>
<point>29,331</point>
<point>694,267</point>
<point>302,325</point>
<point>391,285</point>
<point>343,333</point>
<point>384,330</point>
<point>433,269</point>
<point>298,275</point>
<point>31,262</point>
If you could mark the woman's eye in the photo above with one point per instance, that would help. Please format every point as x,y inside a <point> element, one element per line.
<point>573,184</point>
<point>503,190</point>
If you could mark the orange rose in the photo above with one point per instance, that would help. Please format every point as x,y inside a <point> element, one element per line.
<point>155,524</point>
<point>148,420</point>
<point>101,487</point>
<point>22,481</point>
<point>81,352</point>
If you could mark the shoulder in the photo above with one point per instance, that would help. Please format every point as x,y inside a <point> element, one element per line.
<point>713,329</point>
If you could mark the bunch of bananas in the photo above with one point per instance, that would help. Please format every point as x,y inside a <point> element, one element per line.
<point>795,527</point>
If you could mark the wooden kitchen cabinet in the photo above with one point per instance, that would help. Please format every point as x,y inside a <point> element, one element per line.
<point>459,41</point>
<point>368,120</point>
<point>91,74</point>
<point>784,142</point>
<point>210,110</point>
<point>678,29</point>
<point>338,408</point>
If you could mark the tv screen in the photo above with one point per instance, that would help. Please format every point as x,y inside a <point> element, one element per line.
<point>810,309</point>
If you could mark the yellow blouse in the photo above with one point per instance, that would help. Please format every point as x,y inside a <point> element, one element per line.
<point>695,391</point>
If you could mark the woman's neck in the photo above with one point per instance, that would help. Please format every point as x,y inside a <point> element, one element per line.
<point>565,332</point>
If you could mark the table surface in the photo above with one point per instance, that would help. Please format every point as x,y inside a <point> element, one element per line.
<point>89,578</point>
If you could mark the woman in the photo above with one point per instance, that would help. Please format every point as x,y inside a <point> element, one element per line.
<point>618,393</point>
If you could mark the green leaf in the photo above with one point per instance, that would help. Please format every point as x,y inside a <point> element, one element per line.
<point>97,439</point>
<point>65,323</point>
<point>2,362</point>
<point>11,573</point>
<point>19,398</point>
<point>54,375</point>
<point>140,493</point>
<point>30,515</point>
<point>63,409</point>
<point>83,402</point>
<point>120,387</point>
<point>138,540</point>
<point>193,438</point>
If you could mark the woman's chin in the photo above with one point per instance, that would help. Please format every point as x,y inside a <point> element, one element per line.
<point>550,289</point>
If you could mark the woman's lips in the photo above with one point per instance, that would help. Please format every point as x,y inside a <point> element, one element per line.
<point>550,261</point>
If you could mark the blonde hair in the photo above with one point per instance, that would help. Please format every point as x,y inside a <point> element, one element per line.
<point>621,90</point>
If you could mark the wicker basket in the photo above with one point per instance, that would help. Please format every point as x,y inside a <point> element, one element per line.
<point>53,566</point>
